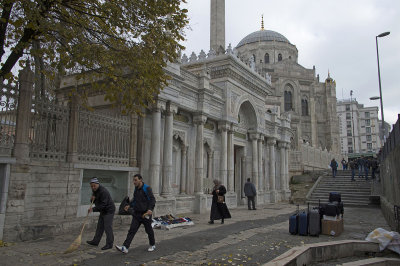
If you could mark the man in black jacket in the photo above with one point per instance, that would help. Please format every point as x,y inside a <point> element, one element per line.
<point>142,207</point>
<point>105,205</point>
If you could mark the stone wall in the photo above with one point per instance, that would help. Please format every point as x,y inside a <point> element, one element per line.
<point>390,175</point>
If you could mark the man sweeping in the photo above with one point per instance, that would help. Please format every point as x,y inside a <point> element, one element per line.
<point>105,205</point>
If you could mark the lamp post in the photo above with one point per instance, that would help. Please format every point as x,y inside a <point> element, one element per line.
<point>380,89</point>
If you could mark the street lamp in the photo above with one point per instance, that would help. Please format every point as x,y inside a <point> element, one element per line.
<point>380,89</point>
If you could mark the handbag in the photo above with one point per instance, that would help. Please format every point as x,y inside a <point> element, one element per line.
<point>124,202</point>
<point>220,199</point>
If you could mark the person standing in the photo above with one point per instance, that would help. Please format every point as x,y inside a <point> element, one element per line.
<point>344,164</point>
<point>219,210</point>
<point>374,167</point>
<point>141,207</point>
<point>334,166</point>
<point>250,192</point>
<point>105,205</point>
<point>361,163</point>
<point>353,169</point>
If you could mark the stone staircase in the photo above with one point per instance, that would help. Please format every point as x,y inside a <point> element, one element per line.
<point>354,193</point>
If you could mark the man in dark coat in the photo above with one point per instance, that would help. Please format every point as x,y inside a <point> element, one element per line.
<point>334,166</point>
<point>219,210</point>
<point>141,207</point>
<point>105,205</point>
<point>250,192</point>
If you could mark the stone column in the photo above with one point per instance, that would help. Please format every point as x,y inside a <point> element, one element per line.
<point>210,156</point>
<point>243,167</point>
<point>281,146</point>
<point>271,145</point>
<point>260,165</point>
<point>133,141</point>
<point>167,152</point>
<point>287,146</point>
<point>23,122</point>
<point>254,172</point>
<point>198,186</point>
<point>231,163</point>
<point>217,24</point>
<point>224,154</point>
<point>183,169</point>
<point>155,151</point>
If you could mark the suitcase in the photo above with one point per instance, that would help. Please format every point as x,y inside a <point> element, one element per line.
<point>294,222</point>
<point>335,196</point>
<point>332,209</point>
<point>340,207</point>
<point>303,223</point>
<point>314,222</point>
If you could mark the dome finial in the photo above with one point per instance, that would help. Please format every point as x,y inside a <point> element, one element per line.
<point>262,22</point>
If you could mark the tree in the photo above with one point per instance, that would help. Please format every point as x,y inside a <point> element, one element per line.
<point>120,47</point>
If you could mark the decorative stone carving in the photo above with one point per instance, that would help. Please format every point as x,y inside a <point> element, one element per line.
<point>202,55</point>
<point>211,54</point>
<point>229,50</point>
<point>184,59</point>
<point>178,134</point>
<point>193,58</point>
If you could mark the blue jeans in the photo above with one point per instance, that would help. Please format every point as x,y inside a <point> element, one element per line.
<point>353,172</point>
<point>360,171</point>
<point>366,172</point>
<point>334,170</point>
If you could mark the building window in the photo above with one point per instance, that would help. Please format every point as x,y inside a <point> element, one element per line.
<point>304,107</point>
<point>367,122</point>
<point>369,146</point>
<point>369,138</point>
<point>350,149</point>
<point>347,107</point>
<point>366,114</point>
<point>348,116</point>
<point>279,57</point>
<point>254,58</point>
<point>266,58</point>
<point>368,129</point>
<point>349,141</point>
<point>349,133</point>
<point>288,101</point>
<point>348,124</point>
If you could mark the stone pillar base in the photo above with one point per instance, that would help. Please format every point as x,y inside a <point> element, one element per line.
<point>231,199</point>
<point>287,194</point>
<point>274,196</point>
<point>200,204</point>
<point>260,198</point>
<point>267,197</point>
<point>164,206</point>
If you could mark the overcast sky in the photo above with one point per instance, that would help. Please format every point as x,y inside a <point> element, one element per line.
<point>336,35</point>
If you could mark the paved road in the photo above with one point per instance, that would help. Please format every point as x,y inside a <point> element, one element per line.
<point>249,238</point>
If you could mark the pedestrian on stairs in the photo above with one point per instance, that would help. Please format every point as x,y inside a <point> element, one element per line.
<point>344,164</point>
<point>352,165</point>
<point>361,163</point>
<point>334,166</point>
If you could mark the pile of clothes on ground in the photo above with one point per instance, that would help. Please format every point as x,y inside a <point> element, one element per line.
<point>168,221</point>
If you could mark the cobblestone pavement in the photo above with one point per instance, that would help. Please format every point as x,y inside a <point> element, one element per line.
<point>249,238</point>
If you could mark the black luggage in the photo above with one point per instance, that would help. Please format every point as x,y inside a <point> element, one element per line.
<point>294,222</point>
<point>303,223</point>
<point>340,207</point>
<point>335,196</point>
<point>332,209</point>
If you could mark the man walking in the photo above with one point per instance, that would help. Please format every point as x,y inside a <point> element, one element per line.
<point>250,192</point>
<point>105,205</point>
<point>334,166</point>
<point>353,169</point>
<point>141,207</point>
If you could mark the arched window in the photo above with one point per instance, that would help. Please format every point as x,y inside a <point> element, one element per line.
<point>279,57</point>
<point>304,107</point>
<point>288,101</point>
<point>266,58</point>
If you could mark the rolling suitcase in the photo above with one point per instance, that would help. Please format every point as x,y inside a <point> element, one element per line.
<point>294,222</point>
<point>332,209</point>
<point>314,222</point>
<point>335,196</point>
<point>303,223</point>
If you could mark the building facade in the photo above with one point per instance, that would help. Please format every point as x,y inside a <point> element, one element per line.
<point>359,128</point>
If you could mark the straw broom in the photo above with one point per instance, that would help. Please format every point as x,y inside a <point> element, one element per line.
<point>77,242</point>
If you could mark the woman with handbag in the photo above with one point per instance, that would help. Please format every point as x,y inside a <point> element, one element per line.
<point>219,210</point>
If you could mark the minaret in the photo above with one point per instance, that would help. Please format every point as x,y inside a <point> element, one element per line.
<point>217,25</point>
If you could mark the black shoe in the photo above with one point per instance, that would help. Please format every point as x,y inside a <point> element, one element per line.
<point>249,209</point>
<point>254,209</point>
<point>106,247</point>
<point>211,222</point>
<point>222,222</point>
<point>91,242</point>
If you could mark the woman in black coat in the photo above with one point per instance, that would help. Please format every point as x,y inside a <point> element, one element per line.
<point>219,210</point>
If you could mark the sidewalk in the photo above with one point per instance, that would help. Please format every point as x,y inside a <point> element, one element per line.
<point>249,238</point>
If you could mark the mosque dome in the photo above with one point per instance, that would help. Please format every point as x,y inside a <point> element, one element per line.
<point>263,36</point>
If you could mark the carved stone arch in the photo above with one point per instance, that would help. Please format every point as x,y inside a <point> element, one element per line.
<point>248,101</point>
<point>208,144</point>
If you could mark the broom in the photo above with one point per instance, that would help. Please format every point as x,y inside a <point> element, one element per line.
<point>77,242</point>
